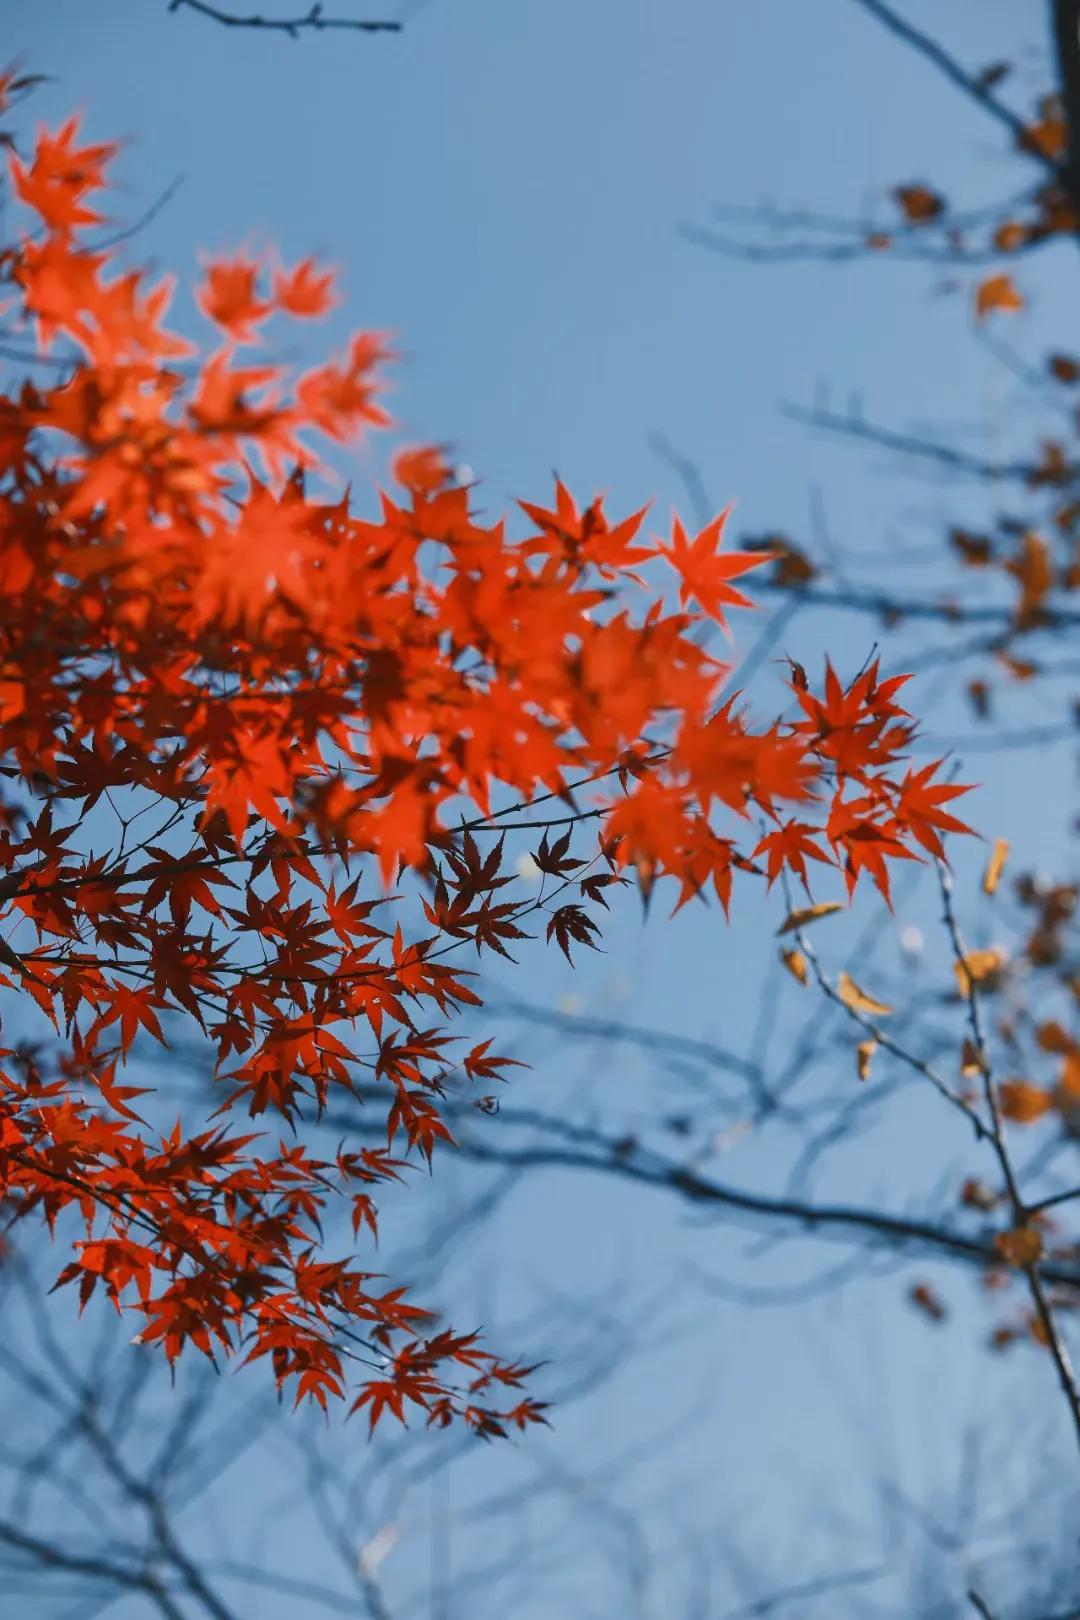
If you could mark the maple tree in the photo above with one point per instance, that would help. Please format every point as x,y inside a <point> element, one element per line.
<point>240,725</point>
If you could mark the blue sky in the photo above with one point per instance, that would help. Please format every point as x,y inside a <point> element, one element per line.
<point>501,186</point>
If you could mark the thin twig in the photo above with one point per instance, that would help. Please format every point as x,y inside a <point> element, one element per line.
<point>582,1148</point>
<point>886,1041</point>
<point>972,86</point>
<point>1055,1198</point>
<point>1043,1309</point>
<point>911,444</point>
<point>980,1605</point>
<point>293,26</point>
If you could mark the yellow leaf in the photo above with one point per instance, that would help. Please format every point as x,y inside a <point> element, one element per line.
<point>1023,1102</point>
<point>1033,571</point>
<point>1022,669</point>
<point>997,292</point>
<point>1010,235</point>
<point>983,968</point>
<point>808,914</point>
<point>919,204</point>
<point>1022,1246</point>
<point>851,995</point>
<point>865,1055</point>
<point>797,965</point>
<point>977,1195</point>
<point>971,1061</point>
<point>925,1299</point>
<point>995,865</point>
<point>1064,368</point>
<point>976,550</point>
<point>1050,135</point>
<point>1069,1083</point>
<point>979,694</point>
<point>1052,1037</point>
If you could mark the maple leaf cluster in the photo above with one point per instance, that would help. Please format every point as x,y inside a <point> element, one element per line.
<point>234,716</point>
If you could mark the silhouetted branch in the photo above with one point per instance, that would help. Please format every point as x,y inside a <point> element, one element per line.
<point>866,239</point>
<point>803,1591</point>
<point>147,217</point>
<point>582,1148</point>
<point>1066,14</point>
<point>581,1026</point>
<point>880,1037</point>
<point>1043,1309</point>
<point>970,83</point>
<point>910,444</point>
<point>293,26</point>
<point>94,1568</point>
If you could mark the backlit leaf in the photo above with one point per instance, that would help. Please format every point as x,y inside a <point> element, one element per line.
<point>852,996</point>
<point>804,915</point>
<point>995,865</point>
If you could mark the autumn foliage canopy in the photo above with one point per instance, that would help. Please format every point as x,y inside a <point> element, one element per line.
<point>259,754</point>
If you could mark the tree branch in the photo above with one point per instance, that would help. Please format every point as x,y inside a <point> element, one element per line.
<point>910,444</point>
<point>312,20</point>
<point>969,83</point>
<point>585,1149</point>
<point>1066,26</point>
<point>1043,1309</point>
<point>98,1569</point>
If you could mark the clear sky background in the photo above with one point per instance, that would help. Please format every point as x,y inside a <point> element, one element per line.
<point>502,186</point>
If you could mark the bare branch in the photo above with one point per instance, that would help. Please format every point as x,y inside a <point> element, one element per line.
<point>821,1586</point>
<point>881,1038</point>
<point>910,444</point>
<point>581,1148</point>
<point>866,240</point>
<point>312,20</point>
<point>980,1605</point>
<point>580,1025</point>
<point>1066,25</point>
<point>1043,1309</point>
<point>969,83</point>
<point>95,1568</point>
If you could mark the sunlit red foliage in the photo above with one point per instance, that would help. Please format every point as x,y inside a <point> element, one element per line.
<point>240,722</point>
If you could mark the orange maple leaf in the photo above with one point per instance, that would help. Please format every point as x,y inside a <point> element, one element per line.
<point>704,572</point>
